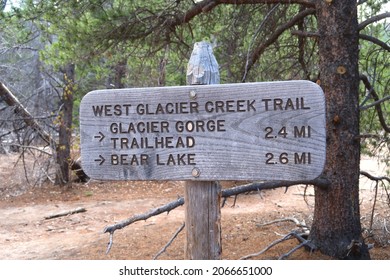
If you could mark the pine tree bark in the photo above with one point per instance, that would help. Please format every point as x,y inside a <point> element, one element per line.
<point>336,228</point>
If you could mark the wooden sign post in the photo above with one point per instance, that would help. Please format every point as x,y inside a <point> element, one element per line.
<point>203,198</point>
<point>204,132</point>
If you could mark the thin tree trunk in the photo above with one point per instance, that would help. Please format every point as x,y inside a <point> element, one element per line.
<point>336,229</point>
<point>65,127</point>
<point>11,100</point>
<point>118,75</point>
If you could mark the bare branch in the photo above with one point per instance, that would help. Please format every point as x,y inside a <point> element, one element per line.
<point>292,234</point>
<point>374,178</point>
<point>291,219</point>
<point>305,33</point>
<point>165,208</point>
<point>377,180</point>
<point>373,19</point>
<point>110,242</point>
<point>378,108</point>
<point>306,3</point>
<point>256,34</point>
<point>24,147</point>
<point>274,37</point>
<point>66,213</point>
<point>385,226</point>
<point>373,205</point>
<point>320,182</point>
<point>301,48</point>
<point>142,23</point>
<point>170,241</point>
<point>23,119</point>
<point>376,41</point>
<point>208,5</point>
<point>161,24</point>
<point>16,48</point>
<point>362,108</point>
<point>367,135</point>
<point>276,242</point>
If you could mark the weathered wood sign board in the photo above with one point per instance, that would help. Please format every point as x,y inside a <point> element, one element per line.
<point>250,131</point>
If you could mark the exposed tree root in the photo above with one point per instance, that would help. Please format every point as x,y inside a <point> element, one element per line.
<point>302,224</point>
<point>301,235</point>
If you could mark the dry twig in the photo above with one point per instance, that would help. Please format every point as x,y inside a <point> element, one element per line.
<point>66,213</point>
<point>290,235</point>
<point>170,241</point>
<point>291,219</point>
<point>298,235</point>
<point>165,208</point>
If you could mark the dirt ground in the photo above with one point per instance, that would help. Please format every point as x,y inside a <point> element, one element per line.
<point>25,233</point>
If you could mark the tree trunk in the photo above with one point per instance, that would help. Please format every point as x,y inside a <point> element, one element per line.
<point>11,100</point>
<point>65,127</point>
<point>118,75</point>
<point>336,229</point>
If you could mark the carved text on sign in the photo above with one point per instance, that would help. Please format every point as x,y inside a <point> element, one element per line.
<point>251,131</point>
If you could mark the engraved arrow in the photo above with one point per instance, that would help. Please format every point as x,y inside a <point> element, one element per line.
<point>101,136</point>
<point>101,159</point>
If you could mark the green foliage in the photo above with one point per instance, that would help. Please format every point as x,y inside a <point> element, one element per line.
<point>375,64</point>
<point>153,41</point>
<point>371,7</point>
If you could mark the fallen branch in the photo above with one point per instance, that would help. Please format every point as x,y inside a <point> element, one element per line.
<point>302,224</point>
<point>66,213</point>
<point>292,234</point>
<point>300,236</point>
<point>276,242</point>
<point>321,182</point>
<point>374,178</point>
<point>166,208</point>
<point>170,241</point>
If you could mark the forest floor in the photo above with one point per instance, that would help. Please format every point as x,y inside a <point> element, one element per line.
<point>25,234</point>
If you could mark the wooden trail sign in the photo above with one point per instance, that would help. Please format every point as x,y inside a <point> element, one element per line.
<point>203,133</point>
<point>250,131</point>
